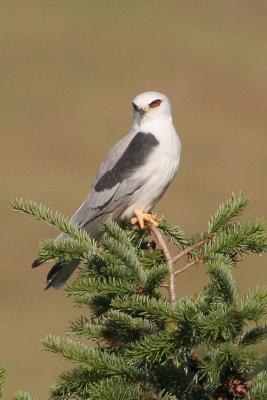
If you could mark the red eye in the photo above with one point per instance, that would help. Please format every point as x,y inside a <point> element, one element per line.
<point>155,103</point>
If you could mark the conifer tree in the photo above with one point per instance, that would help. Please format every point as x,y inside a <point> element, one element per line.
<point>2,380</point>
<point>151,344</point>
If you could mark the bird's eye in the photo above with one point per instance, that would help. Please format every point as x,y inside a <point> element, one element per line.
<point>155,103</point>
<point>135,107</point>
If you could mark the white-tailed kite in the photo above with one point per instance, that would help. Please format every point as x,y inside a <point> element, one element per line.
<point>133,177</point>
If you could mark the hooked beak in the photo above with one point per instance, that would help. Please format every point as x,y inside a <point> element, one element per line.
<point>141,111</point>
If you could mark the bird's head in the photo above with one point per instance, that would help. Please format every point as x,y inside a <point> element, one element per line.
<point>150,105</point>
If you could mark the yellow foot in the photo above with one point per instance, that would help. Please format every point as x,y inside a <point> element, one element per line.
<point>143,219</point>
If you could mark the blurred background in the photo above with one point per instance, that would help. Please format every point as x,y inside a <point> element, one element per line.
<point>68,72</point>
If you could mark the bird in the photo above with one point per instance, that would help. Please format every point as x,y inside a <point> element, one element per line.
<point>132,178</point>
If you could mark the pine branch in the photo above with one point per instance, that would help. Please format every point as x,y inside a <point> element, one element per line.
<point>226,357</point>
<point>150,259</point>
<point>112,229</point>
<point>254,305</point>
<point>222,323</point>
<point>227,211</point>
<point>158,310</point>
<point>223,286</point>
<point>65,250</point>
<point>102,361</point>
<point>166,396</point>
<point>127,255</point>
<point>253,336</point>
<point>75,384</point>
<point>115,327</point>
<point>155,277</point>
<point>238,238</point>
<point>153,349</point>
<point>2,379</point>
<point>85,287</point>
<point>120,321</point>
<point>194,348</point>
<point>142,305</point>
<point>174,234</point>
<point>136,236</point>
<point>105,266</point>
<point>82,327</point>
<point>259,386</point>
<point>98,304</point>
<point>114,389</point>
<point>56,220</point>
<point>24,396</point>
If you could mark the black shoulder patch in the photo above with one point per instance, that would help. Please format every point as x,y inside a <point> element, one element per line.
<point>134,156</point>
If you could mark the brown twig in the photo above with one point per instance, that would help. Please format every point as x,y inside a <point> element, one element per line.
<point>180,271</point>
<point>165,286</point>
<point>169,261</point>
<point>188,250</point>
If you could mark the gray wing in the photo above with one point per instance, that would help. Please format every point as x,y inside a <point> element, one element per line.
<point>116,181</point>
<point>114,185</point>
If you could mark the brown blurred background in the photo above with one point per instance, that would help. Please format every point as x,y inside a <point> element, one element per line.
<point>68,72</point>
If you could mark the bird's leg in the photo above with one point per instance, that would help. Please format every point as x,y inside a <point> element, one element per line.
<point>143,218</point>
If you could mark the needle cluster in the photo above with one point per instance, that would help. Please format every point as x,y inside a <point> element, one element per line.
<point>149,343</point>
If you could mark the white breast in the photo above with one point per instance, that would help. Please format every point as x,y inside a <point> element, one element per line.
<point>158,172</point>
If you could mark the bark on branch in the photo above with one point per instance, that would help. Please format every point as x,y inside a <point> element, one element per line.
<point>170,261</point>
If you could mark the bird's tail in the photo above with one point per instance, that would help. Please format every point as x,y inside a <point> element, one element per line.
<point>59,273</point>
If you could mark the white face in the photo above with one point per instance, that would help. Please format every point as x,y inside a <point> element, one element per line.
<point>150,105</point>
